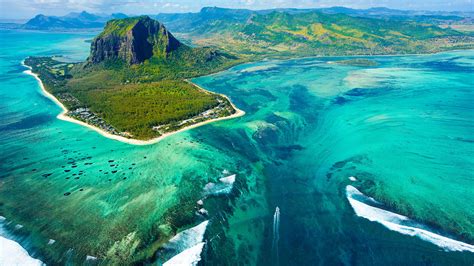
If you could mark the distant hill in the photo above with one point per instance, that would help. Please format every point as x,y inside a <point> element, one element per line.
<point>210,18</point>
<point>82,20</point>
<point>219,18</point>
<point>306,32</point>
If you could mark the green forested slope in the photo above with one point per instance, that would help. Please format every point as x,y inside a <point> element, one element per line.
<point>316,33</point>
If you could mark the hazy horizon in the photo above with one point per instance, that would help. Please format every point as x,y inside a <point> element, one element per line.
<point>24,9</point>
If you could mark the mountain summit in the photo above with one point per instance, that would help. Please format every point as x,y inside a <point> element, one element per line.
<point>133,40</point>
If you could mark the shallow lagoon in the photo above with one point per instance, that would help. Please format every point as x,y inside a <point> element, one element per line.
<point>403,129</point>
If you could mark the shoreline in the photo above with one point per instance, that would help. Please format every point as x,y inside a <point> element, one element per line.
<point>279,59</point>
<point>63,116</point>
<point>238,113</point>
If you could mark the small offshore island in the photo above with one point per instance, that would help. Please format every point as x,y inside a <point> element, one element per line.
<point>133,87</point>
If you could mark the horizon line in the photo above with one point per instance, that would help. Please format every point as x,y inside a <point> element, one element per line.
<point>249,9</point>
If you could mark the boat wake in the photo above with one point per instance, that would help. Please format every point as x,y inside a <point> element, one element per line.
<point>399,223</point>
<point>276,234</point>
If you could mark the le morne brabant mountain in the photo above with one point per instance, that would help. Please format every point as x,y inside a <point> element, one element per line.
<point>134,83</point>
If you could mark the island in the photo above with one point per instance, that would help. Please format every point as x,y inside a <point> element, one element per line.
<point>134,86</point>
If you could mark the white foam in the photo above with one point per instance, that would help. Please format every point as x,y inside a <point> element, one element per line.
<point>228,180</point>
<point>217,189</point>
<point>276,231</point>
<point>400,223</point>
<point>352,178</point>
<point>224,186</point>
<point>190,256</point>
<point>203,211</point>
<point>185,247</point>
<point>12,254</point>
<point>187,238</point>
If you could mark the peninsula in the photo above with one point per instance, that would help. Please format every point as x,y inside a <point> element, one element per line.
<point>134,85</point>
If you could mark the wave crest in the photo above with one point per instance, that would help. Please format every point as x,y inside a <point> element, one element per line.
<point>400,223</point>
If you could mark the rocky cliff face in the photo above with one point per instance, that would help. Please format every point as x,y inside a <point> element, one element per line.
<point>133,40</point>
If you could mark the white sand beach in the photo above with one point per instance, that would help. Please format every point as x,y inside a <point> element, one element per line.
<point>63,116</point>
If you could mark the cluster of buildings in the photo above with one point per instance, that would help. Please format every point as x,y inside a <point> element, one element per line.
<point>84,114</point>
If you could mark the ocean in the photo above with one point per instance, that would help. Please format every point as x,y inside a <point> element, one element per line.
<point>333,164</point>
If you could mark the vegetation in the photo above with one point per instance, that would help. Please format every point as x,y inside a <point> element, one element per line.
<point>142,100</point>
<point>309,33</point>
<point>357,62</point>
<point>119,27</point>
<point>133,84</point>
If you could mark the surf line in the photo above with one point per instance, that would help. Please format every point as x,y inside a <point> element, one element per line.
<point>399,223</point>
<point>276,234</point>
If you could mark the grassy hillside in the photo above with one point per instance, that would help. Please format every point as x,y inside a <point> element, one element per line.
<point>283,34</point>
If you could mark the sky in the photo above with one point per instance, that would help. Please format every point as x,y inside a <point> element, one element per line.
<point>22,9</point>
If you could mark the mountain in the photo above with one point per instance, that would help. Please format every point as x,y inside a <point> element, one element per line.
<point>74,20</point>
<point>82,16</point>
<point>119,15</point>
<point>208,20</point>
<point>215,18</point>
<point>44,22</point>
<point>296,32</point>
<point>133,83</point>
<point>133,40</point>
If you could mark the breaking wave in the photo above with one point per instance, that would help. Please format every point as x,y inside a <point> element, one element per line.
<point>187,238</point>
<point>223,187</point>
<point>190,256</point>
<point>12,253</point>
<point>400,223</point>
<point>185,247</point>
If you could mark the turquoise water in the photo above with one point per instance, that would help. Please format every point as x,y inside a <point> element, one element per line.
<point>403,129</point>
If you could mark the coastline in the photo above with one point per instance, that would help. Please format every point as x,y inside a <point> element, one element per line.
<point>285,58</point>
<point>63,116</point>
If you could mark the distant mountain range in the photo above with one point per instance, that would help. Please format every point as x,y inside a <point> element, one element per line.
<point>313,32</point>
<point>82,20</point>
<point>186,22</point>
<point>216,17</point>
